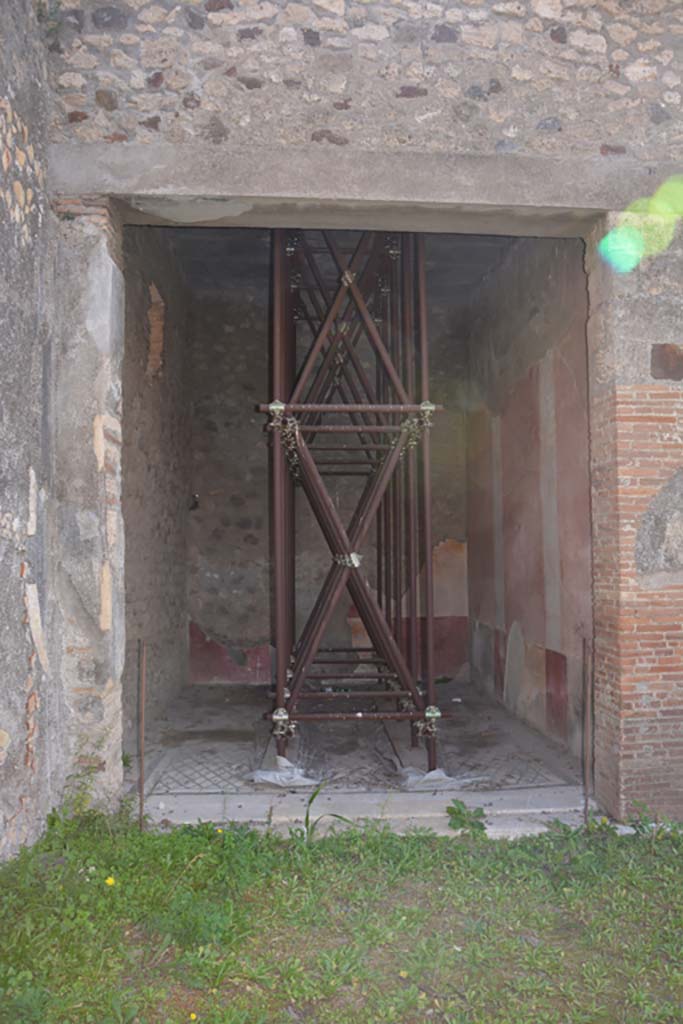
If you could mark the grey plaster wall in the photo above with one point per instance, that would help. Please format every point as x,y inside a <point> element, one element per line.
<point>449,372</point>
<point>523,308</point>
<point>229,579</point>
<point>29,702</point>
<point>477,76</point>
<point>155,473</point>
<point>85,600</point>
<point>229,551</point>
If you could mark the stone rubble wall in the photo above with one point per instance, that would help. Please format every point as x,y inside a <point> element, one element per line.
<point>29,703</point>
<point>551,77</point>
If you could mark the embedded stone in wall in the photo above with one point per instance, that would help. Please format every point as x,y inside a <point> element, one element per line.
<point>659,542</point>
<point>5,742</point>
<point>112,18</point>
<point>23,178</point>
<point>666,362</point>
<point>599,76</point>
<point>325,135</point>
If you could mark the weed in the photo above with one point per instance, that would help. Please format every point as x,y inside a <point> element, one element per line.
<point>190,920</point>
<point>599,827</point>
<point>307,833</point>
<point>462,819</point>
<point>581,926</point>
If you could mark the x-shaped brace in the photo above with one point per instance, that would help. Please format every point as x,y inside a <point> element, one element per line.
<point>345,569</point>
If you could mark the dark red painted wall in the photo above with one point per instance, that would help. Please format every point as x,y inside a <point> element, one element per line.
<point>529,565</point>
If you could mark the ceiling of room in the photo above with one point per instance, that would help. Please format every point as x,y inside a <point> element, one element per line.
<point>210,257</point>
<point>456,264</point>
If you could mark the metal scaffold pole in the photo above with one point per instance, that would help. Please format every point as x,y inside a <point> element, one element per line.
<point>349,359</point>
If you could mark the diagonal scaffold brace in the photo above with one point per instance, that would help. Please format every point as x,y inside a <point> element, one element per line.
<point>350,400</point>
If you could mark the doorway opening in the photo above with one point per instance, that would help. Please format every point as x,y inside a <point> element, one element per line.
<point>511,562</point>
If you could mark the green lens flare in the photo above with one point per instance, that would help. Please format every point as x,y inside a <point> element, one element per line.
<point>646,227</point>
<point>623,248</point>
<point>668,199</point>
<point>655,218</point>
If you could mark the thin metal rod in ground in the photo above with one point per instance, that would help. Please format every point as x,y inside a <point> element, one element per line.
<point>142,686</point>
<point>428,585</point>
<point>278,482</point>
<point>587,732</point>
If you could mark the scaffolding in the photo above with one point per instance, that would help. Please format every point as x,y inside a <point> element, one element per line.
<point>350,399</point>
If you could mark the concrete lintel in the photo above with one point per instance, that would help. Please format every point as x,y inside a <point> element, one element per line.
<point>311,186</point>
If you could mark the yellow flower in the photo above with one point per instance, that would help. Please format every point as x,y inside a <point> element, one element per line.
<point>403,974</point>
<point>193,1016</point>
<point>110,881</point>
<point>220,831</point>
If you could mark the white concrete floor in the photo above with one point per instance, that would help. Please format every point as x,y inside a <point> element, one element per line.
<point>200,757</point>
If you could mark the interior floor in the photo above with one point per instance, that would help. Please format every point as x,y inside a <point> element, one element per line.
<point>213,738</point>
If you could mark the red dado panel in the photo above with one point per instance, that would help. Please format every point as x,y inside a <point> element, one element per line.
<point>451,638</point>
<point>556,694</point>
<point>499,650</point>
<point>211,662</point>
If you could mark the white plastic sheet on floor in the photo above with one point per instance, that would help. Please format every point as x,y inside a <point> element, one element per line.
<point>286,775</point>
<point>412,778</point>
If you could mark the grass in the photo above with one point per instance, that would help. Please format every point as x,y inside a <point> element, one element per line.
<point>102,924</point>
